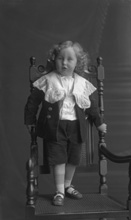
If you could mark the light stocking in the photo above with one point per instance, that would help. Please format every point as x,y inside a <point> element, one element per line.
<point>69,174</point>
<point>59,177</point>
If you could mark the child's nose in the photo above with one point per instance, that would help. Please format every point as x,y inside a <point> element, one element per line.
<point>64,61</point>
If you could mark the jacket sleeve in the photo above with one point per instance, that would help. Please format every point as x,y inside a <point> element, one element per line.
<point>93,113</point>
<point>32,106</point>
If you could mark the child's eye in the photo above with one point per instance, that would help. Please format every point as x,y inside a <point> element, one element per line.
<point>59,58</point>
<point>70,59</point>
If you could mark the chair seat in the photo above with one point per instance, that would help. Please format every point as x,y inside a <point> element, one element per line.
<point>92,205</point>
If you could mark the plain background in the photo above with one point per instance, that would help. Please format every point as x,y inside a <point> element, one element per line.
<point>30,28</point>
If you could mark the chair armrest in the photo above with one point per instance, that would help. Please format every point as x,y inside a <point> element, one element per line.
<point>113,157</point>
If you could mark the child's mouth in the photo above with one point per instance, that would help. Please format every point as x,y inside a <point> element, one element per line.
<point>64,68</point>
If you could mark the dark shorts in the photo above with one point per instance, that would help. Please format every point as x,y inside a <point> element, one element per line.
<point>68,147</point>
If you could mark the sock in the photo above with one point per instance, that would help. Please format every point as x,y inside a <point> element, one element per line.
<point>67,183</point>
<point>70,190</point>
<point>69,173</point>
<point>60,188</point>
<point>59,177</point>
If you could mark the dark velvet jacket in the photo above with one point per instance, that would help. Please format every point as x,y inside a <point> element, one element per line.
<point>48,118</point>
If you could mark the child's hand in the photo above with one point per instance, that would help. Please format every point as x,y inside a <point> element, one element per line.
<point>29,127</point>
<point>102,128</point>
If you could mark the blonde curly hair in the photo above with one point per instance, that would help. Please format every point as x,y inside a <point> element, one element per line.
<point>82,56</point>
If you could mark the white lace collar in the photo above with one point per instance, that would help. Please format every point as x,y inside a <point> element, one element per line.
<point>51,85</point>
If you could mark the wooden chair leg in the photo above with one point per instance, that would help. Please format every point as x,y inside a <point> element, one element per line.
<point>31,193</point>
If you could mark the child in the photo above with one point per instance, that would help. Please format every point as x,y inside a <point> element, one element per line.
<point>66,100</point>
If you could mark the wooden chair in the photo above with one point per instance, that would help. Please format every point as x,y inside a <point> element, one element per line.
<point>93,205</point>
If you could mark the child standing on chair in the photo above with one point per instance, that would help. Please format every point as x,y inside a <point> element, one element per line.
<point>66,100</point>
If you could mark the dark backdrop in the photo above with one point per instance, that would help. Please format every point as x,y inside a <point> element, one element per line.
<point>31,27</point>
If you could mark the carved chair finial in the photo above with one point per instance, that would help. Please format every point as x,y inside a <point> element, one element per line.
<point>99,60</point>
<point>32,61</point>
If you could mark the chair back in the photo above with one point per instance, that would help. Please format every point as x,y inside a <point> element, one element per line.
<point>95,75</point>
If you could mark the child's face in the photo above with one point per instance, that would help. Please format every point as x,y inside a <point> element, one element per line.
<point>66,61</point>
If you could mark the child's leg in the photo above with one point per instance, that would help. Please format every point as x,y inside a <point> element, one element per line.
<point>70,191</point>
<point>59,177</point>
<point>69,174</point>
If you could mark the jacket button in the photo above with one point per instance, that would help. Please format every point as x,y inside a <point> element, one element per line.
<point>48,116</point>
<point>50,108</point>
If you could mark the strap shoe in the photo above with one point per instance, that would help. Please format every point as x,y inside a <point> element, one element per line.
<point>58,199</point>
<point>71,192</point>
